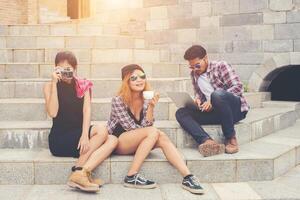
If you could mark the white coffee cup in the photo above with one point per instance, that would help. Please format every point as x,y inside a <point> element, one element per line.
<point>148,95</point>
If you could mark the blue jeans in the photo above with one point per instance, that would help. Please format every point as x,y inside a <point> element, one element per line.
<point>226,111</point>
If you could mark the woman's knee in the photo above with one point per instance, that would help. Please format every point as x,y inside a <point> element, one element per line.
<point>163,139</point>
<point>101,131</point>
<point>113,141</point>
<point>151,132</point>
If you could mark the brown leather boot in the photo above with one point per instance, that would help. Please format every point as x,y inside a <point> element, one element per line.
<point>231,146</point>
<point>97,181</point>
<point>79,179</point>
<point>210,148</point>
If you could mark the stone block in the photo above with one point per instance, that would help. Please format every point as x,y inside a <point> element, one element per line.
<point>34,30</point>
<point>254,170</point>
<point>157,25</point>
<point>284,163</point>
<point>274,17</point>
<point>158,13</point>
<point>225,7</point>
<point>153,3</point>
<point>21,42</point>
<point>278,5</point>
<point>287,31</point>
<point>24,56</point>
<point>253,6</point>
<point>63,29</point>
<point>201,9</point>
<point>236,33</point>
<point>86,29</point>
<point>22,71</point>
<point>50,42</point>
<point>278,45</point>
<point>78,42</point>
<point>247,46</point>
<point>183,23</point>
<point>146,56</point>
<point>293,17</point>
<point>16,173</point>
<point>241,19</point>
<point>262,32</point>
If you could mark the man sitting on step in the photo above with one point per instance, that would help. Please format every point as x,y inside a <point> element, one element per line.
<point>219,96</point>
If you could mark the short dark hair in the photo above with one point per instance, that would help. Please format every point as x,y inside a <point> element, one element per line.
<point>68,56</point>
<point>195,51</point>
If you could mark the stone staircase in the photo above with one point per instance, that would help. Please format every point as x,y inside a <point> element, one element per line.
<point>269,136</point>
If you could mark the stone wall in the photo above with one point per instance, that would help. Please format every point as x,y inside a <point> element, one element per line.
<point>246,33</point>
<point>18,11</point>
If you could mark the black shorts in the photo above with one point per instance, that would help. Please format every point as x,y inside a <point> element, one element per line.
<point>118,130</point>
<point>64,143</point>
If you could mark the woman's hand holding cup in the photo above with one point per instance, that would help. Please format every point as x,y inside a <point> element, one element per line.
<point>152,96</point>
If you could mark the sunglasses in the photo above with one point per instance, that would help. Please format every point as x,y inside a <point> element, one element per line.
<point>135,77</point>
<point>197,66</point>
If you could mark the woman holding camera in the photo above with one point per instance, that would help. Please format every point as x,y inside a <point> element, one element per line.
<point>68,102</point>
<point>131,120</point>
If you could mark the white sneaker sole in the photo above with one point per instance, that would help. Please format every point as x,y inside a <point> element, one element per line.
<point>140,186</point>
<point>192,190</point>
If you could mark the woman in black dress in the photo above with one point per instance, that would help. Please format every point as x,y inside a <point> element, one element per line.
<point>68,102</point>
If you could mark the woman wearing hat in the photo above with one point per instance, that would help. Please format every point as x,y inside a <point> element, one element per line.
<point>131,120</point>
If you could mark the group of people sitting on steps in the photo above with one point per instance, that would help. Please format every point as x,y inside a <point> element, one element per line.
<point>130,130</point>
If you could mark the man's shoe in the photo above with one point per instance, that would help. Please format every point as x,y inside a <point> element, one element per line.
<point>231,146</point>
<point>138,181</point>
<point>192,184</point>
<point>210,148</point>
<point>79,179</point>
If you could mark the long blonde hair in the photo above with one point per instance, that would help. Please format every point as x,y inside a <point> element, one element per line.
<point>125,91</point>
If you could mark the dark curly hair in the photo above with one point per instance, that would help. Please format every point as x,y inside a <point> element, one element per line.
<point>195,51</point>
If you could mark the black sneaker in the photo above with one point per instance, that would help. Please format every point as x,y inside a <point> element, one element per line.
<point>192,184</point>
<point>138,181</point>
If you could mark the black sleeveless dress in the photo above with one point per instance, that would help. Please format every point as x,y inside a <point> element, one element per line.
<point>67,125</point>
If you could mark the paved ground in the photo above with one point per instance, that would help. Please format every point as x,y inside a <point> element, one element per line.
<point>286,187</point>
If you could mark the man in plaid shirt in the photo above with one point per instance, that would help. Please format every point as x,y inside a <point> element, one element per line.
<point>219,97</point>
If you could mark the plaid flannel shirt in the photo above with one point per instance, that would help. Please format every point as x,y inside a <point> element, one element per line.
<point>120,114</point>
<point>221,76</point>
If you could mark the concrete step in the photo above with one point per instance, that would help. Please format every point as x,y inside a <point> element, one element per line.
<point>54,29</point>
<point>104,87</point>
<point>260,160</point>
<point>89,70</point>
<point>104,54</point>
<point>17,42</point>
<point>20,108</point>
<point>259,122</point>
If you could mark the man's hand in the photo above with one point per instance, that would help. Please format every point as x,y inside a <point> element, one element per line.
<point>206,106</point>
<point>84,144</point>
<point>198,102</point>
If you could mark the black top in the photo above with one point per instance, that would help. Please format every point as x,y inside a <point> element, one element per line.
<point>70,111</point>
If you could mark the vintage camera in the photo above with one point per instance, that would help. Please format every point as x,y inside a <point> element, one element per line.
<point>66,73</point>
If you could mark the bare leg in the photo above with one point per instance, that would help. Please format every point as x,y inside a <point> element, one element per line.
<point>141,141</point>
<point>98,137</point>
<point>101,153</point>
<point>172,154</point>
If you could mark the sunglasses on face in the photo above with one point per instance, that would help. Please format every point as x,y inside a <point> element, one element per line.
<point>135,77</point>
<point>197,66</point>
